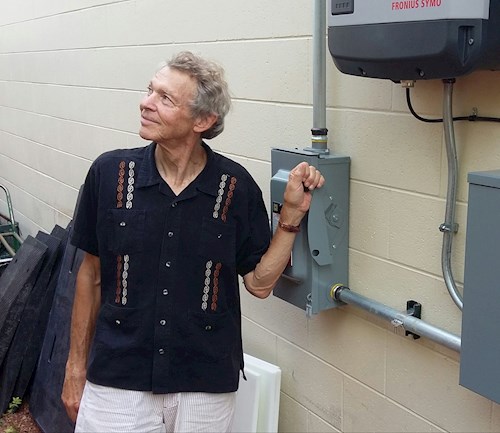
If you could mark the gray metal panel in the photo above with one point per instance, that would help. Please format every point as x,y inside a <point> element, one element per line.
<point>480,353</point>
<point>485,178</point>
<point>320,254</point>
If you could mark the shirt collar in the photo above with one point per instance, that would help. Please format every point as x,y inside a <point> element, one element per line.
<point>206,182</point>
<point>148,173</point>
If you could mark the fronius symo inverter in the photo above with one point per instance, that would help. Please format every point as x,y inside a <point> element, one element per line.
<point>414,39</point>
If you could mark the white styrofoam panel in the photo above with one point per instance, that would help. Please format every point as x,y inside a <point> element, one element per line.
<point>246,409</point>
<point>268,377</point>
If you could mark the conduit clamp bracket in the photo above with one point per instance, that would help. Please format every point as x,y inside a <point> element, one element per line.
<point>447,227</point>
<point>414,309</point>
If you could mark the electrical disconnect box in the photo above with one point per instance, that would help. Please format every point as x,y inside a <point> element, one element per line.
<point>480,349</point>
<point>414,39</point>
<point>319,257</point>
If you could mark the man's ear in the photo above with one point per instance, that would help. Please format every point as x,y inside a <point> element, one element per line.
<point>204,123</point>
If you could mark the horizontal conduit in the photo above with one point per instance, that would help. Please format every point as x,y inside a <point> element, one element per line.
<point>398,318</point>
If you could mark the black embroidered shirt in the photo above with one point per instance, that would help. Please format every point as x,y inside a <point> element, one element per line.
<point>170,317</point>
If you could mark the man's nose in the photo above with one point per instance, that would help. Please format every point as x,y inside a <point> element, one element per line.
<point>147,102</point>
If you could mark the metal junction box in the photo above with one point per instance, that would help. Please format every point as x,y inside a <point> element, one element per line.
<point>480,352</point>
<point>414,39</point>
<point>320,254</point>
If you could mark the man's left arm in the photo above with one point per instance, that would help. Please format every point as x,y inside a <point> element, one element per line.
<point>302,181</point>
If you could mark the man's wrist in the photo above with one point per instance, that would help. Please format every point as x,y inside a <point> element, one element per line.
<point>290,216</point>
<point>288,227</point>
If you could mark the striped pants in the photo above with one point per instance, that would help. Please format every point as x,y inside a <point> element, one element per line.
<point>104,409</point>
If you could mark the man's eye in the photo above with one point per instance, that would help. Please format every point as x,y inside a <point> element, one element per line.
<point>150,90</point>
<point>167,101</point>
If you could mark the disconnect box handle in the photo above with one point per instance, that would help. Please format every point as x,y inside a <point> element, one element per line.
<point>317,227</point>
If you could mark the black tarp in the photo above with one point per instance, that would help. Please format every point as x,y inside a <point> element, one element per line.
<point>20,361</point>
<point>45,399</point>
<point>30,358</point>
<point>28,312</point>
<point>16,284</point>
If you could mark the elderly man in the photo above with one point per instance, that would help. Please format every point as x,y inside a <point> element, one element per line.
<point>166,229</point>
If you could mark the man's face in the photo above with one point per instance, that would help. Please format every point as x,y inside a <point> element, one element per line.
<point>165,114</point>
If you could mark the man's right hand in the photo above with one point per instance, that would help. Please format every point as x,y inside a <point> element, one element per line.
<point>83,319</point>
<point>74,382</point>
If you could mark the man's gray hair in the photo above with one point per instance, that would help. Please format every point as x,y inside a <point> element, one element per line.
<point>212,95</point>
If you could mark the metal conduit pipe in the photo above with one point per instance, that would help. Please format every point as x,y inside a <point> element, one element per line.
<point>449,227</point>
<point>397,318</point>
<point>319,132</point>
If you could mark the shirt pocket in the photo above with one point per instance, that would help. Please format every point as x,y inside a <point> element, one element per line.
<point>217,241</point>
<point>120,329</point>
<point>211,337</point>
<point>127,230</point>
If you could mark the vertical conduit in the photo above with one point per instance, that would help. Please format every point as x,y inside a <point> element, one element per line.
<point>319,132</point>
<point>449,227</point>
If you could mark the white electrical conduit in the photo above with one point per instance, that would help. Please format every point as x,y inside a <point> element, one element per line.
<point>449,227</point>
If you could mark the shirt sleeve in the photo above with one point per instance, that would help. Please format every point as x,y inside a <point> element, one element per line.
<point>258,234</point>
<point>84,235</point>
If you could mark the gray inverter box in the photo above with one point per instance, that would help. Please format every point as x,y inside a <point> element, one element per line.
<point>480,351</point>
<point>414,39</point>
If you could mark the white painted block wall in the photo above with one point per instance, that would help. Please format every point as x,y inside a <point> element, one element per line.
<point>71,76</point>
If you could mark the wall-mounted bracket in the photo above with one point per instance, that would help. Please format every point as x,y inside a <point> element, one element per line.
<point>414,309</point>
<point>447,227</point>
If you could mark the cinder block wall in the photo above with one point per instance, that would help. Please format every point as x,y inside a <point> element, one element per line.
<point>71,77</point>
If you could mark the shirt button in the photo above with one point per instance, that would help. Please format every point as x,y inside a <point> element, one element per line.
<point>161,352</point>
<point>174,204</point>
<point>208,328</point>
<point>163,322</point>
<point>168,264</point>
<point>165,292</point>
<point>123,224</point>
<point>170,234</point>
